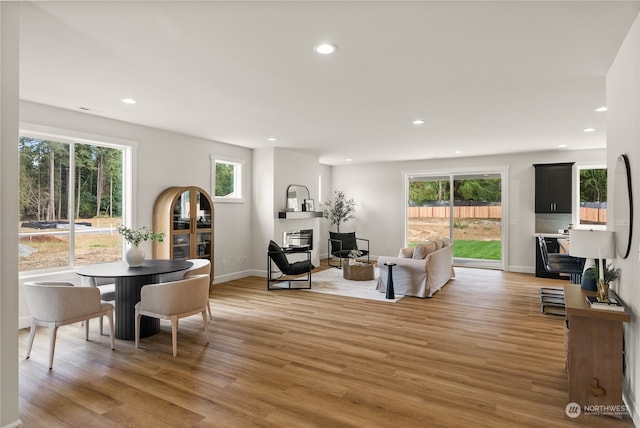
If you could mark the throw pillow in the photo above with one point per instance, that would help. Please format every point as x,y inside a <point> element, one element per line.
<point>445,242</point>
<point>439,243</point>
<point>406,253</point>
<point>422,250</point>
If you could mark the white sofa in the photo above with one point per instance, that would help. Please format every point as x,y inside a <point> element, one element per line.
<point>419,277</point>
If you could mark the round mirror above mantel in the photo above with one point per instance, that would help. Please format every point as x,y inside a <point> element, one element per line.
<point>622,207</point>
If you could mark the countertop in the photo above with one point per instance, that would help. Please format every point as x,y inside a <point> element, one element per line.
<point>552,235</point>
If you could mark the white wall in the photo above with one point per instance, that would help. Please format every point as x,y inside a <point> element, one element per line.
<point>378,191</point>
<point>9,59</point>
<point>623,136</point>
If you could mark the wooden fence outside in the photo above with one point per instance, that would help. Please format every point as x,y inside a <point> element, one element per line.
<point>587,215</point>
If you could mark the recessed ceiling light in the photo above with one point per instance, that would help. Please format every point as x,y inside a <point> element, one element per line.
<point>457,152</point>
<point>418,122</point>
<point>271,139</point>
<point>349,160</point>
<point>600,109</point>
<point>562,146</point>
<point>128,101</point>
<point>325,48</point>
<point>589,129</point>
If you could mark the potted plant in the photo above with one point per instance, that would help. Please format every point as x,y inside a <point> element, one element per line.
<point>338,209</point>
<point>135,255</point>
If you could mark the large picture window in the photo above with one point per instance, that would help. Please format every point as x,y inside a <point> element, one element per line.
<point>71,200</point>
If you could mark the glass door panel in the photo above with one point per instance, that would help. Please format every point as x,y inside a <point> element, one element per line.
<point>477,218</point>
<point>203,246</point>
<point>429,210</point>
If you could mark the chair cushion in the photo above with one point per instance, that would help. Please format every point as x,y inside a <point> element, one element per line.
<point>278,257</point>
<point>298,268</point>
<point>348,240</point>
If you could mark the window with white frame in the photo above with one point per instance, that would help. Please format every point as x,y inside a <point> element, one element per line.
<point>227,180</point>
<point>72,198</point>
<point>592,196</point>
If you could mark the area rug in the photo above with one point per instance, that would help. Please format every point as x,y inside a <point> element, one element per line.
<point>330,281</point>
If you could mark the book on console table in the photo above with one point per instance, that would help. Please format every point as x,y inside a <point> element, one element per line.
<point>611,304</point>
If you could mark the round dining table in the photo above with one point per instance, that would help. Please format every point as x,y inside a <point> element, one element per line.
<point>128,282</point>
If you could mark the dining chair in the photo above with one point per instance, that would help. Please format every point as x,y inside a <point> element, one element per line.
<point>172,301</point>
<point>200,267</point>
<point>107,287</point>
<point>57,303</point>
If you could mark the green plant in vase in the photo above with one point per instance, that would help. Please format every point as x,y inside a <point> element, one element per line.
<point>135,255</point>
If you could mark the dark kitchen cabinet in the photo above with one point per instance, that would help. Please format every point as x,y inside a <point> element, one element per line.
<point>553,188</point>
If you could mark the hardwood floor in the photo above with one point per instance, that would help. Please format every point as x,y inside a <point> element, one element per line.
<point>479,353</point>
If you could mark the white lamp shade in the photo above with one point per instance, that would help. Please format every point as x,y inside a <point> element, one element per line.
<point>591,244</point>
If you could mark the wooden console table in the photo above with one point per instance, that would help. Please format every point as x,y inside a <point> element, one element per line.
<point>595,350</point>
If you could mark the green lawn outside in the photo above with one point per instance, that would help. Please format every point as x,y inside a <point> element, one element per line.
<point>487,250</point>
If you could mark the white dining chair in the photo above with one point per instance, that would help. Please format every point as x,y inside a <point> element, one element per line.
<point>56,303</point>
<point>107,287</point>
<point>200,267</point>
<point>172,301</point>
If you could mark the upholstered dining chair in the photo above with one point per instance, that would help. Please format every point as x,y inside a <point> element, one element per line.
<point>107,287</point>
<point>200,267</point>
<point>55,303</point>
<point>172,301</point>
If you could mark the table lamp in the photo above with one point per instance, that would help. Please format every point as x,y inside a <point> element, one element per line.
<point>594,245</point>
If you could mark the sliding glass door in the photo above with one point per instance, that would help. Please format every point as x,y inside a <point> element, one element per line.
<point>465,207</point>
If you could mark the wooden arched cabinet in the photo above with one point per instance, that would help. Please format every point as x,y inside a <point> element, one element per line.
<point>186,215</point>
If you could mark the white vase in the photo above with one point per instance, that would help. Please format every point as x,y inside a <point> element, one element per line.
<point>134,256</point>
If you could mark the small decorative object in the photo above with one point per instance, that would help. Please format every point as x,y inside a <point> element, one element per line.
<point>353,255</point>
<point>590,279</point>
<point>309,205</point>
<point>603,290</point>
<point>339,209</point>
<point>606,275</point>
<point>135,255</point>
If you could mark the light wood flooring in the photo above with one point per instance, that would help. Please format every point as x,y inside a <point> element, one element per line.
<point>477,354</point>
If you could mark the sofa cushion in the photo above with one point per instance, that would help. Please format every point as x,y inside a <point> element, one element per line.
<point>406,253</point>
<point>423,249</point>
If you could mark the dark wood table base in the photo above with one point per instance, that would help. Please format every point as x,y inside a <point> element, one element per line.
<point>127,295</point>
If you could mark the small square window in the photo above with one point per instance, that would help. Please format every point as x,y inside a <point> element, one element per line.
<point>227,180</point>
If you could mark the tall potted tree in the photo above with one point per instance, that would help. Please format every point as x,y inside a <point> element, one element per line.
<point>338,209</point>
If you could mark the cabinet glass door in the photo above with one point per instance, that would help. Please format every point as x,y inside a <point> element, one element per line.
<point>181,246</point>
<point>203,212</point>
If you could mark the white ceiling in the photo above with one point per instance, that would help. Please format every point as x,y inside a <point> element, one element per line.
<point>487,77</point>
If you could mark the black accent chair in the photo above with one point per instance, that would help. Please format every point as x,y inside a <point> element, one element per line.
<point>340,245</point>
<point>288,270</point>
